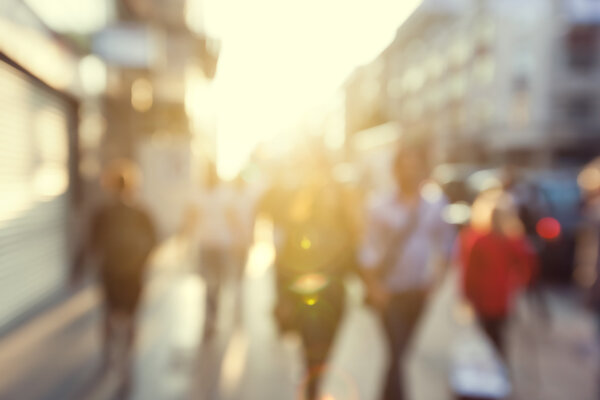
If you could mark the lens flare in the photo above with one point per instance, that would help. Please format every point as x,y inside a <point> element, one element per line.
<point>306,244</point>
<point>309,284</point>
<point>311,300</point>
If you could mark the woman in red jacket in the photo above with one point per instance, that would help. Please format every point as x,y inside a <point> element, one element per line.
<point>498,263</point>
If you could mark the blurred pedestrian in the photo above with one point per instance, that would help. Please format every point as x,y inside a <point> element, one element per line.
<point>122,236</point>
<point>406,241</point>
<point>587,272</point>
<point>499,263</point>
<point>214,221</point>
<point>316,250</point>
<point>588,269</point>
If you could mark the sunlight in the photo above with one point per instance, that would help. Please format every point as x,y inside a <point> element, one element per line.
<point>262,252</point>
<point>279,59</point>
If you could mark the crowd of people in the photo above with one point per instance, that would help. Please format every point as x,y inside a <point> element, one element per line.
<point>399,243</point>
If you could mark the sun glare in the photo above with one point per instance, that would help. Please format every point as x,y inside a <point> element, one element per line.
<point>280,58</point>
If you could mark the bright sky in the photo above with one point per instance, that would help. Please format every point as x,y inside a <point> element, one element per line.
<point>281,57</point>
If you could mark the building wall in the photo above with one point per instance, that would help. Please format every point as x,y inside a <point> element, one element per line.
<point>490,79</point>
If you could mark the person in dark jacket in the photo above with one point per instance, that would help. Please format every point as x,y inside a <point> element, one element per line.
<point>121,237</point>
<point>315,252</point>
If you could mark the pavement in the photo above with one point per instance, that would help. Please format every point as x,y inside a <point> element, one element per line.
<point>552,345</point>
<point>56,356</point>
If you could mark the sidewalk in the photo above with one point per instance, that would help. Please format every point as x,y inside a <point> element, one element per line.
<point>555,359</point>
<point>56,355</point>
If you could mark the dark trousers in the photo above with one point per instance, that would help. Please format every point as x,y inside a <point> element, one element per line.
<point>318,326</point>
<point>400,318</point>
<point>494,329</point>
<point>316,319</point>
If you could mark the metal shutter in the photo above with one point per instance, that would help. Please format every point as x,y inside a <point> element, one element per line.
<point>34,154</point>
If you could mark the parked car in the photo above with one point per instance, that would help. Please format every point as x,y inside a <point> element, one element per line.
<point>550,208</point>
<point>549,205</point>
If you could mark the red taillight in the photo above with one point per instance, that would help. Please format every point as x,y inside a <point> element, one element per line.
<point>548,228</point>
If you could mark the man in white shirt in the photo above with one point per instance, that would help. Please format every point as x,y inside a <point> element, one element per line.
<point>405,240</point>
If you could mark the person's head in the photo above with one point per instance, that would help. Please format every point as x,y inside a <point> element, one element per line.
<point>495,211</point>
<point>121,178</point>
<point>409,169</point>
<point>482,210</point>
<point>505,218</point>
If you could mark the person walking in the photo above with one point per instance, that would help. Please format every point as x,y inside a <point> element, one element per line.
<point>498,265</point>
<point>406,241</point>
<point>213,219</point>
<point>122,236</point>
<point>315,252</point>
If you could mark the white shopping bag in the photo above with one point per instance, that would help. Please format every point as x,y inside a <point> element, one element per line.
<point>476,370</point>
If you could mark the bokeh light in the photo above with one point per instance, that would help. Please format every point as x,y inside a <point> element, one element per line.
<point>548,228</point>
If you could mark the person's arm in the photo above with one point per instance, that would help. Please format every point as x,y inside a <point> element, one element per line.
<point>473,268</point>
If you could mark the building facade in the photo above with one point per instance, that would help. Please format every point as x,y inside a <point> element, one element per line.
<point>71,101</point>
<point>495,80</point>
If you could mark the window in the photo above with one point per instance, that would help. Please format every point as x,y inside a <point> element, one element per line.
<point>580,109</point>
<point>581,45</point>
<point>521,102</point>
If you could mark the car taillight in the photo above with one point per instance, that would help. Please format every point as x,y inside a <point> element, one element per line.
<point>548,228</point>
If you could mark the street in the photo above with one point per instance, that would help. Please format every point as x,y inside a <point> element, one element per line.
<point>248,359</point>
